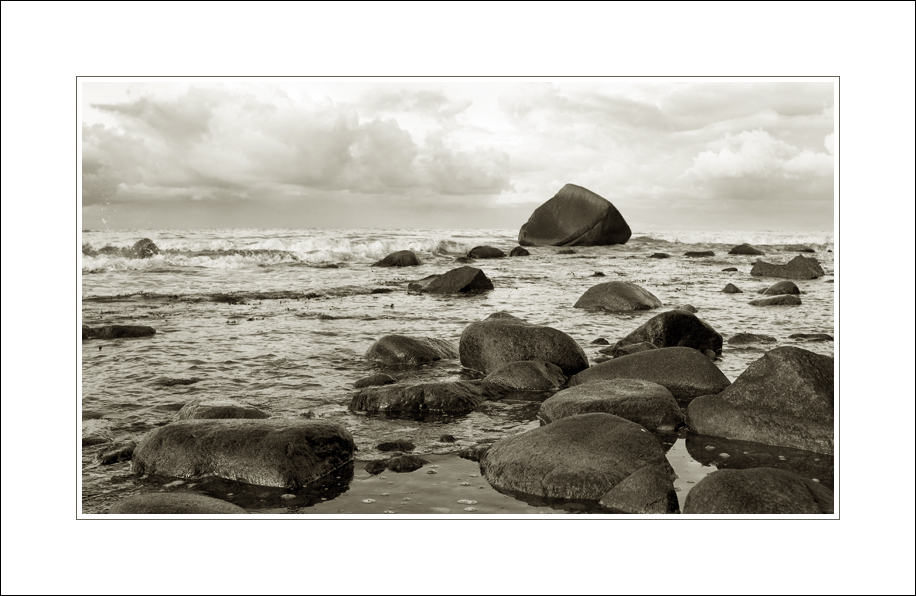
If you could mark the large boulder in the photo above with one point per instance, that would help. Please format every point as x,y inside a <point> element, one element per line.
<point>784,399</point>
<point>617,296</point>
<point>274,452</point>
<point>144,249</point>
<point>780,288</point>
<point>485,252</point>
<point>685,372</point>
<point>642,402</point>
<point>758,491</point>
<point>461,280</point>
<point>528,375</point>
<point>798,268</point>
<point>183,503</point>
<point>486,345</point>
<point>218,409</point>
<point>393,350</point>
<point>783,300</point>
<point>675,328</point>
<point>401,258</point>
<point>745,249</point>
<point>117,331</point>
<point>418,401</point>
<point>584,458</point>
<point>575,217</point>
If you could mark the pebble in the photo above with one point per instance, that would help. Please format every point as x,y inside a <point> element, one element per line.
<point>406,499</point>
<point>173,484</point>
<point>470,509</point>
<point>467,502</point>
<point>815,480</point>
<point>287,496</point>
<point>386,494</point>
<point>434,466</point>
<point>709,447</point>
<point>474,475</point>
<point>368,500</point>
<point>691,481</point>
<point>724,455</point>
<point>465,484</point>
<point>782,457</point>
<point>388,511</point>
<point>431,472</point>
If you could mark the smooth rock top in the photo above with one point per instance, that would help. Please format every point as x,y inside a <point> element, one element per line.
<point>758,491</point>
<point>518,251</point>
<point>750,338</point>
<point>461,280</point>
<point>529,375</point>
<point>731,289</point>
<point>487,345</point>
<point>417,401</point>
<point>401,258</point>
<point>183,503</point>
<point>780,288</point>
<point>575,217</point>
<point>675,328</point>
<point>485,252</point>
<point>617,296</point>
<point>783,300</point>
<point>745,249</point>
<point>798,268</point>
<point>402,349</point>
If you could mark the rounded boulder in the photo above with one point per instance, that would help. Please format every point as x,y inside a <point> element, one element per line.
<point>675,328</point>
<point>486,345</point>
<point>485,252</point>
<point>529,375</point>
<point>575,216</point>
<point>393,350</point>
<point>617,296</point>
<point>174,504</point>
<point>401,258</point>
<point>758,491</point>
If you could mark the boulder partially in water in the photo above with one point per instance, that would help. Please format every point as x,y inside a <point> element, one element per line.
<point>373,380</point>
<point>783,300</point>
<point>396,350</point>
<point>455,398</point>
<point>485,252</point>
<point>731,289</point>
<point>289,453</point>
<point>798,268</point>
<point>750,338</point>
<point>675,328</point>
<point>144,249</point>
<point>745,249</point>
<point>406,463</point>
<point>784,399</point>
<point>584,457</point>
<point>780,288</point>
<point>799,248</point>
<point>685,372</point>
<point>518,251</point>
<point>528,375</point>
<point>699,253</point>
<point>218,409</point>
<point>812,336</point>
<point>401,258</point>
<point>659,255</point>
<point>183,503</point>
<point>643,402</point>
<point>117,331</point>
<point>461,280</point>
<point>575,217</point>
<point>486,345</point>
<point>617,296</point>
<point>758,491</point>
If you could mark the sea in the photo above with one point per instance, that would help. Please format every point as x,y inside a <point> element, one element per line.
<point>281,319</point>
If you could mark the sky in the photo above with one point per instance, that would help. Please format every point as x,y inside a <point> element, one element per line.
<point>735,154</point>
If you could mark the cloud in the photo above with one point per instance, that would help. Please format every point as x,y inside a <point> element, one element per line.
<point>757,154</point>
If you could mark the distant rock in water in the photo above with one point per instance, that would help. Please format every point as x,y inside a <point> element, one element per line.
<point>659,255</point>
<point>575,217</point>
<point>144,248</point>
<point>758,491</point>
<point>461,280</point>
<point>403,349</point>
<point>798,268</point>
<point>799,248</point>
<point>780,288</point>
<point>401,258</point>
<point>675,328</point>
<point>688,307</point>
<point>699,253</point>
<point>485,252</point>
<point>745,249</point>
<point>617,296</point>
<point>518,251</point>
<point>750,338</point>
<point>730,269</point>
<point>397,445</point>
<point>117,331</point>
<point>406,463</point>
<point>812,336</point>
<point>566,251</point>
<point>731,289</point>
<point>784,300</point>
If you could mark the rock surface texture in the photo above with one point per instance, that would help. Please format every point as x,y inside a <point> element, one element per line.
<point>617,296</point>
<point>758,491</point>
<point>675,328</point>
<point>575,217</point>
<point>183,503</point>
<point>798,268</point>
<point>403,349</point>
<point>417,401</point>
<point>486,345</point>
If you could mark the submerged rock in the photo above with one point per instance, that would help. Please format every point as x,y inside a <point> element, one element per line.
<point>215,409</point>
<point>798,268</point>
<point>675,328</point>
<point>396,350</point>
<point>643,402</point>
<point>780,288</point>
<point>617,296</point>
<point>799,248</point>
<point>745,249</point>
<point>687,307</point>
<point>758,491</point>
<point>730,269</point>
<point>374,380</point>
<point>406,463</point>
<point>685,372</point>
<point>659,255</point>
<point>118,453</point>
<point>96,432</point>
<point>583,457</point>
<point>396,445</point>
<point>812,336</point>
<point>183,503</point>
<point>750,338</point>
<point>783,300</point>
<point>731,289</point>
<point>144,249</point>
<point>699,253</point>
<point>486,345</point>
<point>485,252</point>
<point>518,251</point>
<point>460,280</point>
<point>454,398</point>
<point>401,258</point>
<point>289,453</point>
<point>575,216</point>
<point>117,331</point>
<point>785,399</point>
<point>528,375</point>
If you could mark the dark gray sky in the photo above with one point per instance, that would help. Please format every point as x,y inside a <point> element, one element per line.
<point>450,152</point>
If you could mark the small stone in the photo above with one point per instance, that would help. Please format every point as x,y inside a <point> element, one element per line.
<point>691,481</point>
<point>474,475</point>
<point>386,494</point>
<point>470,509</point>
<point>467,502</point>
<point>782,457</point>
<point>446,439</point>
<point>406,499</point>
<point>388,511</point>
<point>431,472</point>
<point>709,447</point>
<point>368,500</point>
<point>724,455</point>
<point>287,496</point>
<point>465,484</point>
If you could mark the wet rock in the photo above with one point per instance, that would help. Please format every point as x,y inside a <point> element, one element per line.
<point>518,251</point>
<point>687,307</point>
<point>600,341</point>
<point>618,351</point>
<point>758,491</point>
<point>575,216</point>
<point>780,288</point>
<point>460,280</point>
<point>464,260</point>
<point>393,350</point>
<point>529,375</point>
<point>685,372</point>
<point>144,249</point>
<point>785,399</point>
<point>617,296</point>
<point>505,316</point>
<point>398,445</point>
<point>96,432</point>
<point>474,453</point>
<point>598,274</point>
<point>214,409</point>
<point>401,258</point>
<point>174,503</point>
<point>455,398</point>
<point>659,255</point>
<point>675,328</point>
<point>87,332</point>
<point>485,252</point>
<point>376,467</point>
<point>751,338</point>
<point>784,300</point>
<point>446,439</point>
<point>745,249</point>
<point>730,269</point>
<point>799,248</point>
<point>731,289</point>
<point>117,453</point>
<point>699,253</point>
<point>643,402</point>
<point>486,345</point>
<point>375,380</point>
<point>648,490</point>
<point>812,336</point>
<point>117,331</point>
<point>422,284</point>
<point>580,457</point>
<point>406,463</point>
<point>289,453</point>
<point>798,268</point>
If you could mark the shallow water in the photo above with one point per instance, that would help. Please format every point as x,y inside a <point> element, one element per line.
<point>281,319</point>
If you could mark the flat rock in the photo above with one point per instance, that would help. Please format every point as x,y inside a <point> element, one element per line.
<point>461,280</point>
<point>396,445</point>
<point>401,258</point>
<point>745,249</point>
<point>583,457</point>
<point>421,284</point>
<point>798,268</point>
<point>485,252</point>
<point>214,409</point>
<point>783,300</point>
<point>731,289</point>
<point>486,345</point>
<point>117,331</point>
<point>699,253</point>
<point>183,503</point>
<point>799,248</point>
<point>659,255</point>
<point>780,288</point>
<point>374,380</point>
<point>417,401</point>
<point>406,463</point>
<point>812,336</point>
<point>528,375</point>
<point>617,296</point>
<point>750,338</point>
<point>96,432</point>
<point>685,372</point>
<point>730,269</point>
<point>758,491</point>
<point>675,328</point>
<point>289,453</point>
<point>784,399</point>
<point>643,402</point>
<point>518,251</point>
<point>575,216</point>
<point>394,350</point>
